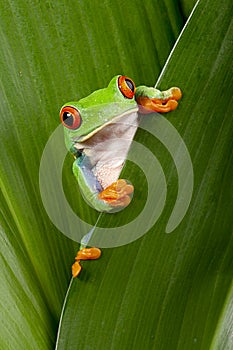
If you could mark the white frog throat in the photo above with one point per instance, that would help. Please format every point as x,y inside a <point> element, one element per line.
<point>107,149</point>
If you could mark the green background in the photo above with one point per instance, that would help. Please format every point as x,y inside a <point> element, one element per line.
<point>162,291</point>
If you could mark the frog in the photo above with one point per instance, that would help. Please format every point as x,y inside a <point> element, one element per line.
<point>99,130</point>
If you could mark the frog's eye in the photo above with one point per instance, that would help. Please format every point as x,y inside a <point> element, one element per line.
<point>126,86</point>
<point>70,117</point>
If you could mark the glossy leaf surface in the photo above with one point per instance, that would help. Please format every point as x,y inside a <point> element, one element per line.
<point>164,290</point>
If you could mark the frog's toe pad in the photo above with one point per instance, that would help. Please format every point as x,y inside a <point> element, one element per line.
<point>84,254</point>
<point>176,93</point>
<point>118,194</point>
<point>76,269</point>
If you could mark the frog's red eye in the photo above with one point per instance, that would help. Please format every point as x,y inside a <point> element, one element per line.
<point>70,117</point>
<point>126,86</point>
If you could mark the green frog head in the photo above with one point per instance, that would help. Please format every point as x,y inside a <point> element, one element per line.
<point>86,117</point>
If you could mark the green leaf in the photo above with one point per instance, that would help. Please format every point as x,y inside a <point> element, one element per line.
<point>223,333</point>
<point>173,291</point>
<point>24,311</point>
<point>163,291</point>
<point>187,6</point>
<point>51,53</point>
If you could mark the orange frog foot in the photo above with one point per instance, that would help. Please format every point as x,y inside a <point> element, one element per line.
<point>149,105</point>
<point>118,194</point>
<point>84,254</point>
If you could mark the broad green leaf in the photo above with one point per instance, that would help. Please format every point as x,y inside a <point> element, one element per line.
<point>51,53</point>
<point>24,311</point>
<point>223,335</point>
<point>173,291</point>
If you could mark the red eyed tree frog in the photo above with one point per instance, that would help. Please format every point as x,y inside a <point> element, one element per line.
<point>98,132</point>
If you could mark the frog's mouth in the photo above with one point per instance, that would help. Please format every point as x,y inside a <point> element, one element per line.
<point>107,147</point>
<point>117,120</point>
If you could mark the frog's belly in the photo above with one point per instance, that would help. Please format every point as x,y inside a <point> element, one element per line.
<point>106,174</point>
<point>107,169</point>
<point>107,150</point>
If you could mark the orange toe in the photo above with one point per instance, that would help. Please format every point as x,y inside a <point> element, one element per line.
<point>76,269</point>
<point>117,194</point>
<point>88,254</point>
<point>176,93</point>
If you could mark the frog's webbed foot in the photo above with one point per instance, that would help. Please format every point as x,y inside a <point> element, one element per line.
<point>118,194</point>
<point>153,100</point>
<point>84,254</point>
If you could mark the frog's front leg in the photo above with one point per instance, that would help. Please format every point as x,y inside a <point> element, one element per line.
<point>151,100</point>
<point>112,198</point>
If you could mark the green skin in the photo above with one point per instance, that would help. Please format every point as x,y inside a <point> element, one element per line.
<point>104,109</point>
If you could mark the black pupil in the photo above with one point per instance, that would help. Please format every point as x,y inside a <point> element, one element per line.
<point>68,118</point>
<point>130,84</point>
